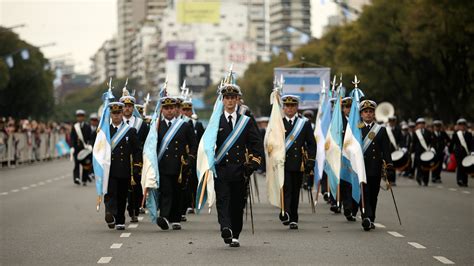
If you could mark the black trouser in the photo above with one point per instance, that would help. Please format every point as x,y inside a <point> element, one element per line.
<point>436,174</point>
<point>346,197</point>
<point>324,183</point>
<point>77,170</point>
<point>135,196</point>
<point>230,203</point>
<point>461,175</point>
<point>116,198</point>
<point>371,193</point>
<point>421,175</point>
<point>169,198</point>
<point>291,191</point>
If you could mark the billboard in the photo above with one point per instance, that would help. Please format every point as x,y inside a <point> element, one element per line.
<point>305,83</point>
<point>197,76</point>
<point>198,11</point>
<point>180,50</point>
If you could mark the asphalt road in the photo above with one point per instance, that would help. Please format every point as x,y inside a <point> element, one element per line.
<point>47,220</point>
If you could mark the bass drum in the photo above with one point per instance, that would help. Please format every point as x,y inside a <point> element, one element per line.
<point>401,160</point>
<point>427,161</point>
<point>468,164</point>
<point>85,158</point>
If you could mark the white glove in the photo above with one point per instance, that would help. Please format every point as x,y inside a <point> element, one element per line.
<point>71,154</point>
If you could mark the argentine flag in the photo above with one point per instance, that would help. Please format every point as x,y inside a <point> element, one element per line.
<point>205,168</point>
<point>62,148</point>
<point>102,151</point>
<point>352,155</point>
<point>333,148</point>
<point>323,120</point>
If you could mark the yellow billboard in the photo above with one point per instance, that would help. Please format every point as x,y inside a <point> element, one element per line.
<point>198,11</point>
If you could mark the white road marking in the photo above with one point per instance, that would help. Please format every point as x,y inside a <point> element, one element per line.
<point>133,226</point>
<point>116,245</point>
<point>104,260</point>
<point>379,225</point>
<point>440,187</point>
<point>14,190</point>
<point>125,234</point>
<point>25,188</point>
<point>40,183</point>
<point>57,178</point>
<point>4,193</point>
<point>443,260</point>
<point>140,218</point>
<point>466,192</point>
<point>49,181</point>
<point>416,245</point>
<point>453,189</point>
<point>33,185</point>
<point>395,234</point>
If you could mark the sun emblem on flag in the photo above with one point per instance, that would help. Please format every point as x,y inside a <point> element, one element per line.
<point>301,88</point>
<point>327,145</point>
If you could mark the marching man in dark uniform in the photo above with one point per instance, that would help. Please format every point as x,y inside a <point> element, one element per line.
<point>299,142</point>
<point>376,148</point>
<point>350,206</point>
<point>187,111</point>
<point>125,152</point>
<point>176,154</point>
<point>135,194</point>
<point>81,139</point>
<point>421,143</point>
<point>440,142</point>
<point>394,134</point>
<point>462,145</point>
<point>239,150</point>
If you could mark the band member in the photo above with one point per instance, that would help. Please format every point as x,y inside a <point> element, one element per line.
<point>176,154</point>
<point>125,152</point>
<point>421,143</point>
<point>350,205</point>
<point>440,141</point>
<point>394,134</point>
<point>81,139</point>
<point>299,142</point>
<point>462,145</point>
<point>376,148</point>
<point>135,194</point>
<point>239,150</point>
<point>94,122</point>
<point>406,146</point>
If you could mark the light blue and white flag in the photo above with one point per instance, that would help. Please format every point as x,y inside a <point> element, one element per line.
<point>205,164</point>
<point>353,166</point>
<point>333,148</point>
<point>62,147</point>
<point>102,151</point>
<point>323,120</point>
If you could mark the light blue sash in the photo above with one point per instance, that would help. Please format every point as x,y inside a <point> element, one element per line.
<point>138,123</point>
<point>295,132</point>
<point>121,132</point>
<point>367,141</point>
<point>169,135</point>
<point>233,136</point>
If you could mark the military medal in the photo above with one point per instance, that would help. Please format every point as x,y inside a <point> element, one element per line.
<point>361,125</point>
<point>371,135</point>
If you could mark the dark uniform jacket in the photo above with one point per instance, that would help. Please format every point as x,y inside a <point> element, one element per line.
<point>170,163</point>
<point>440,141</point>
<point>231,166</point>
<point>198,130</point>
<point>86,133</point>
<point>458,149</point>
<point>93,134</point>
<point>304,140</point>
<point>417,148</point>
<point>406,141</point>
<point>378,150</point>
<point>120,166</point>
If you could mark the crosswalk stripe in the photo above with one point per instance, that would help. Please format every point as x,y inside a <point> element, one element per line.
<point>33,185</point>
<point>4,193</point>
<point>25,188</point>
<point>125,234</point>
<point>15,190</point>
<point>453,189</point>
<point>132,225</point>
<point>395,234</point>
<point>466,192</point>
<point>443,260</point>
<point>140,218</point>
<point>416,245</point>
<point>116,245</point>
<point>104,260</point>
<point>379,225</point>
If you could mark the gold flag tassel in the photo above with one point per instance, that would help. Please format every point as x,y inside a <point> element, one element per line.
<point>99,200</point>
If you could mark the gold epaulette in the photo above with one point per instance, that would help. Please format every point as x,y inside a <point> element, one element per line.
<point>138,164</point>
<point>256,159</point>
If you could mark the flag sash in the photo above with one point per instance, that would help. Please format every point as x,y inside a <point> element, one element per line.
<point>462,141</point>
<point>391,137</point>
<point>138,123</point>
<point>77,127</point>
<point>295,132</point>
<point>421,139</point>
<point>367,141</point>
<point>169,135</point>
<point>121,132</point>
<point>233,136</point>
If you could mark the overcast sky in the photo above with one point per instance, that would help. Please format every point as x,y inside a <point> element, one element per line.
<point>78,27</point>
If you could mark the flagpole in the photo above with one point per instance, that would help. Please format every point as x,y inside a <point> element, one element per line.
<point>317,193</point>
<point>338,193</point>
<point>282,199</point>
<point>362,194</point>
<point>204,184</point>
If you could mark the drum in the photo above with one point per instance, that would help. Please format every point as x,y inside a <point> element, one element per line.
<point>468,164</point>
<point>85,158</point>
<point>428,161</point>
<point>401,160</point>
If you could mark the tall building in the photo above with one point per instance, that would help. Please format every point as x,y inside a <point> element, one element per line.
<point>104,62</point>
<point>131,13</point>
<point>258,30</point>
<point>290,23</point>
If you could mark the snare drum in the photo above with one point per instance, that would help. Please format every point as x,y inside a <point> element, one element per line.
<point>468,164</point>
<point>85,158</point>
<point>428,161</point>
<point>400,159</point>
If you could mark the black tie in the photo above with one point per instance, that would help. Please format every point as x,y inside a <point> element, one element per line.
<point>291,122</point>
<point>169,124</point>
<point>369,126</point>
<point>230,122</point>
<point>128,122</point>
<point>114,130</point>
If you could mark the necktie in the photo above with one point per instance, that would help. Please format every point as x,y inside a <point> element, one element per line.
<point>128,122</point>
<point>114,130</point>
<point>291,122</point>
<point>230,122</point>
<point>169,124</point>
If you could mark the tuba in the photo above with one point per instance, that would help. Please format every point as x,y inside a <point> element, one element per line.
<point>383,111</point>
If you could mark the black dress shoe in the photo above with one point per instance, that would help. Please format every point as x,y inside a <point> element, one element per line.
<point>176,226</point>
<point>110,220</point>
<point>76,181</point>
<point>419,181</point>
<point>366,224</point>
<point>326,196</point>
<point>163,223</point>
<point>335,209</point>
<point>351,218</point>
<point>234,243</point>
<point>120,227</point>
<point>134,219</point>
<point>372,226</point>
<point>226,234</point>
<point>183,218</point>
<point>141,210</point>
<point>284,218</point>
<point>293,225</point>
